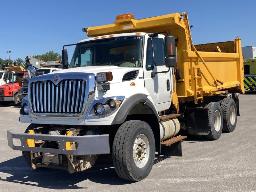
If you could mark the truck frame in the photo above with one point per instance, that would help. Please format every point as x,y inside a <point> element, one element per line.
<point>129,89</point>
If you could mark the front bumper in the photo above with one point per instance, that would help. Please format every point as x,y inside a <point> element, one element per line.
<point>2,98</point>
<point>85,145</point>
<point>58,120</point>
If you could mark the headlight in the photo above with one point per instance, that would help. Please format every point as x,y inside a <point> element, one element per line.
<point>24,109</point>
<point>105,107</point>
<point>99,109</point>
<point>112,103</point>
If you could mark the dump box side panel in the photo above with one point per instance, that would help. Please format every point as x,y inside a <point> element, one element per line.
<point>215,67</point>
<point>211,71</point>
<point>224,47</point>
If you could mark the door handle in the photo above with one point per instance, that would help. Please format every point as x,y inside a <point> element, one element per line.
<point>168,85</point>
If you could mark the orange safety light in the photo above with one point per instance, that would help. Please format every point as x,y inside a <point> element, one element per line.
<point>123,18</point>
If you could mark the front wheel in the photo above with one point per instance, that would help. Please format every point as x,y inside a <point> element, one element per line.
<point>133,150</point>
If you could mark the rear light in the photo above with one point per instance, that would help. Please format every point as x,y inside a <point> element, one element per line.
<point>1,91</point>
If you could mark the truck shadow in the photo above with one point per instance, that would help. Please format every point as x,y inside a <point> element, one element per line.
<point>196,139</point>
<point>17,171</point>
<point>7,104</point>
<point>250,93</point>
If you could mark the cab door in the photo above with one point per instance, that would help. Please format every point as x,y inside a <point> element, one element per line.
<point>157,75</point>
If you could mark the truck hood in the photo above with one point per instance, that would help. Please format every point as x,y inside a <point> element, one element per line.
<point>118,72</point>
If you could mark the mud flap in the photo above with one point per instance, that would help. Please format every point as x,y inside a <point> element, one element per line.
<point>173,150</point>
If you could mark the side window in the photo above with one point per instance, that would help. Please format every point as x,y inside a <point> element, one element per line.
<point>74,60</point>
<point>7,77</point>
<point>155,53</point>
<point>86,57</point>
<point>158,51</point>
<point>14,78</point>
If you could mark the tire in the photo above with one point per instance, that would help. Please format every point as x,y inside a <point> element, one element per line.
<point>124,154</point>
<point>214,120</point>
<point>17,100</point>
<point>229,109</point>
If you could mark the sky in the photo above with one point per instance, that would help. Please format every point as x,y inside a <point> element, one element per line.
<point>30,27</point>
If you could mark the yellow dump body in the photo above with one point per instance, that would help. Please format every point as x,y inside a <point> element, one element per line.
<point>202,70</point>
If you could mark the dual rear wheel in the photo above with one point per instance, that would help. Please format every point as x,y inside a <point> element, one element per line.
<point>133,150</point>
<point>229,109</point>
<point>221,117</point>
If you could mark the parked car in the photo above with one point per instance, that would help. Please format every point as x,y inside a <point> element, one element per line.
<point>45,70</point>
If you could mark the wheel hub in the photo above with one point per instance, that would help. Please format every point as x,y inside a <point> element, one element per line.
<point>141,150</point>
<point>232,117</point>
<point>217,121</point>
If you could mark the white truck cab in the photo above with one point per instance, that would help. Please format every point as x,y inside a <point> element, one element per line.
<point>2,81</point>
<point>111,81</point>
<point>123,66</point>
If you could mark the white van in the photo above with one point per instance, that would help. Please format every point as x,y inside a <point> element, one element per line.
<point>46,70</point>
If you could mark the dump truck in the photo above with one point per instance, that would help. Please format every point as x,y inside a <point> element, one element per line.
<point>10,91</point>
<point>130,90</point>
<point>250,75</point>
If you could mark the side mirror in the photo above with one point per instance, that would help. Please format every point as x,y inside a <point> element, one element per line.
<point>64,58</point>
<point>170,59</point>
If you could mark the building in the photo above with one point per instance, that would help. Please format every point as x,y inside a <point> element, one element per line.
<point>249,52</point>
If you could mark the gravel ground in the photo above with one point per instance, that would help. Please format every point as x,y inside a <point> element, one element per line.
<point>228,164</point>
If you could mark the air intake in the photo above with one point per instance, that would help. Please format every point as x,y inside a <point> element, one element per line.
<point>130,75</point>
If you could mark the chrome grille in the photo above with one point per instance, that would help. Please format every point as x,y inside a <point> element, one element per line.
<point>68,96</point>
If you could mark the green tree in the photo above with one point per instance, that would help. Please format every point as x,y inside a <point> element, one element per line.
<point>19,61</point>
<point>6,63</point>
<point>48,56</point>
<point>1,63</point>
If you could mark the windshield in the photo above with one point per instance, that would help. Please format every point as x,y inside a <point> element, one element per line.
<point>121,52</point>
<point>10,77</point>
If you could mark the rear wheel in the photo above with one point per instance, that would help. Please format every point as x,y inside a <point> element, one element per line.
<point>133,150</point>
<point>214,120</point>
<point>229,109</point>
